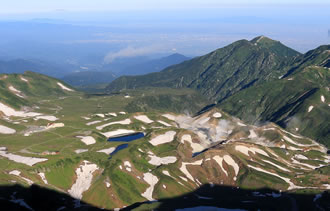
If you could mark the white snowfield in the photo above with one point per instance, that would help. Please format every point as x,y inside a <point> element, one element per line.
<point>122,112</point>
<point>88,140</point>
<point>157,161</point>
<point>18,174</point>
<point>128,166</point>
<point>78,151</point>
<point>245,150</point>
<point>16,91</point>
<point>108,184</point>
<point>252,134</point>
<point>302,157</point>
<point>46,117</point>
<point>195,146</point>
<point>8,111</point>
<point>230,161</point>
<point>114,114</point>
<point>43,177</point>
<point>287,180</point>
<point>64,87</point>
<point>169,116</point>
<point>219,160</point>
<point>6,130</point>
<point>123,122</point>
<point>84,179</point>
<point>164,123</point>
<point>310,108</point>
<point>144,118</point>
<point>277,166</point>
<point>241,124</point>
<point>93,122</point>
<point>184,169</point>
<point>24,79</point>
<point>118,132</point>
<point>322,99</point>
<point>11,88</point>
<point>100,115</point>
<point>203,120</point>
<point>55,125</point>
<point>152,181</point>
<point>162,139</point>
<point>30,161</point>
<point>167,174</point>
<point>295,143</point>
<point>108,150</point>
<point>217,115</point>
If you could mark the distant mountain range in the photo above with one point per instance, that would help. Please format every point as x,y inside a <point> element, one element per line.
<point>22,65</point>
<point>222,72</point>
<point>123,67</point>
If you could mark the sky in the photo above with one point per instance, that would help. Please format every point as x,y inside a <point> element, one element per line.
<point>191,27</point>
<point>34,6</point>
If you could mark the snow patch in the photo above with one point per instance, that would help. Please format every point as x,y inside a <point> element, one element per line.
<point>195,146</point>
<point>78,151</point>
<point>24,79</point>
<point>128,166</point>
<point>43,177</point>
<point>123,122</point>
<point>169,116</point>
<point>245,150</point>
<point>108,151</point>
<point>6,130</point>
<point>217,115</point>
<point>144,118</point>
<point>322,99</point>
<point>88,140</point>
<point>157,161</point>
<point>30,161</point>
<point>219,160</point>
<point>64,87</point>
<point>252,134</point>
<point>152,181</point>
<point>184,170</point>
<point>310,108</point>
<point>8,111</point>
<point>93,122</point>
<point>287,180</point>
<point>18,174</point>
<point>277,166</point>
<point>162,139</point>
<point>84,179</point>
<point>46,117</point>
<point>164,123</point>
<point>229,160</point>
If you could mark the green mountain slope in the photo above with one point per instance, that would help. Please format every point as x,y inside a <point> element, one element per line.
<point>220,73</point>
<point>20,89</point>
<point>298,102</point>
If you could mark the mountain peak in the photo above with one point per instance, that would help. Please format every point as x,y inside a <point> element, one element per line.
<point>262,39</point>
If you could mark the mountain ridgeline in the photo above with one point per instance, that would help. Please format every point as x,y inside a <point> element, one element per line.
<point>258,81</point>
<point>220,73</point>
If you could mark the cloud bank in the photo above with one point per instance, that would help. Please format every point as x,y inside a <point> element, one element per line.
<point>130,52</point>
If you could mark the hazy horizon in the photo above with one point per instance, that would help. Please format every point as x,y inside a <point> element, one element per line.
<point>105,31</point>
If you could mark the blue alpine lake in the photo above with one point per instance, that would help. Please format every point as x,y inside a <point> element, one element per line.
<point>127,138</point>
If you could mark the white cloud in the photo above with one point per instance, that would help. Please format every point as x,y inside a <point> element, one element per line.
<point>130,52</point>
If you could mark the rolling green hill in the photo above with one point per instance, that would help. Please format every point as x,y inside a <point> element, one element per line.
<point>220,73</point>
<point>21,89</point>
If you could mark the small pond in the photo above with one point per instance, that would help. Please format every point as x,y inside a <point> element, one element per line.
<point>127,138</point>
<point>118,148</point>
